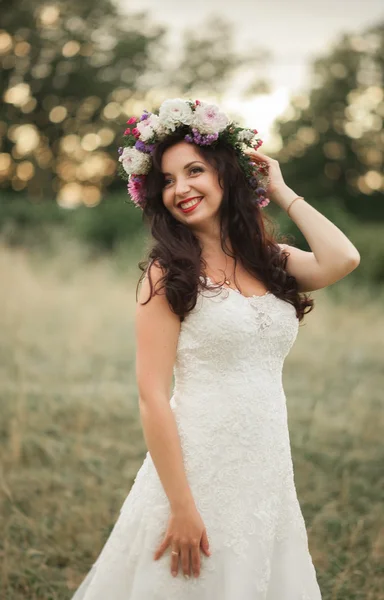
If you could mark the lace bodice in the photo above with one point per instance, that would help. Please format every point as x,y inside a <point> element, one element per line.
<point>228,386</point>
<point>228,335</point>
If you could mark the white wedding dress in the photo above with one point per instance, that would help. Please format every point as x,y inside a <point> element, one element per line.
<point>230,408</point>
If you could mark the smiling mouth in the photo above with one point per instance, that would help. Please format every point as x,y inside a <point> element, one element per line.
<point>187,206</point>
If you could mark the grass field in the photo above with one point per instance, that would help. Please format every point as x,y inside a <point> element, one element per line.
<point>71,441</point>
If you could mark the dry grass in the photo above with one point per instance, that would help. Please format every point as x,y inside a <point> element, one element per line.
<point>71,440</point>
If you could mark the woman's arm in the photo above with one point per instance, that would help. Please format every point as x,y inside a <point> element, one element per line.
<point>157,332</point>
<point>333,255</point>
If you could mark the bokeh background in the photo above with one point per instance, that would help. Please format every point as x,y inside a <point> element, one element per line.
<point>309,78</point>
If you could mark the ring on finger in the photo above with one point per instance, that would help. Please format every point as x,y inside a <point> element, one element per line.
<point>173,552</point>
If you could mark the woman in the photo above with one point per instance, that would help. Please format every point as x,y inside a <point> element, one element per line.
<point>213,512</point>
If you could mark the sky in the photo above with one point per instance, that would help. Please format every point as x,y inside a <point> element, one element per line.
<point>295,31</point>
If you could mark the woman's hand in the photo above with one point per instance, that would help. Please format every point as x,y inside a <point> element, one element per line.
<point>276,181</point>
<point>186,535</point>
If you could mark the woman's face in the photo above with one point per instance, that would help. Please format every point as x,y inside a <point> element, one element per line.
<point>187,177</point>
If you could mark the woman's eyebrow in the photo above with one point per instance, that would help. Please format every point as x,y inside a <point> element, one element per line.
<point>186,166</point>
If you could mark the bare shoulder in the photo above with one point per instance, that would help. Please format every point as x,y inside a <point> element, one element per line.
<point>304,267</point>
<point>153,275</point>
<point>157,330</point>
<point>157,311</point>
<point>291,250</point>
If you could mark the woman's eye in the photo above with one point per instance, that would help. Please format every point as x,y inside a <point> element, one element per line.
<point>198,169</point>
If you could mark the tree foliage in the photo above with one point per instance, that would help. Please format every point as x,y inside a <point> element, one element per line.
<point>332,139</point>
<point>72,72</point>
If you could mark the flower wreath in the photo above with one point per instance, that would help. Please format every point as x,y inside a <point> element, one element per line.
<point>204,125</point>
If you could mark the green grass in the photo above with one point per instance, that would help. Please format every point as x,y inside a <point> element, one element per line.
<point>71,440</point>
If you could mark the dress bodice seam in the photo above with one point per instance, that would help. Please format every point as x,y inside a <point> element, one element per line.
<point>214,286</point>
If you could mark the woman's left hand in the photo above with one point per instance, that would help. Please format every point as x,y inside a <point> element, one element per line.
<point>276,181</point>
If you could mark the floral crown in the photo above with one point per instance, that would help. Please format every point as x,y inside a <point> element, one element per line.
<point>203,125</point>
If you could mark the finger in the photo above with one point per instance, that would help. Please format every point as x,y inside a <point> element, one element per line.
<point>260,156</point>
<point>195,559</point>
<point>256,160</point>
<point>185,560</point>
<point>175,561</point>
<point>161,549</point>
<point>204,543</point>
<point>257,152</point>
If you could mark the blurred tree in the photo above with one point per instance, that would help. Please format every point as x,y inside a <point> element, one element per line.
<point>332,139</point>
<point>72,72</point>
<point>207,61</point>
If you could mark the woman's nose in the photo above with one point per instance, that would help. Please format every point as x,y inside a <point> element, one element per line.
<point>182,187</point>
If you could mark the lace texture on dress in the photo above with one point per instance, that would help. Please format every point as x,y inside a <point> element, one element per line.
<point>230,408</point>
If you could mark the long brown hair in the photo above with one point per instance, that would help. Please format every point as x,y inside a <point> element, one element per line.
<point>178,251</point>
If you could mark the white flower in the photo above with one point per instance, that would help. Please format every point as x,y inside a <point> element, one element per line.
<point>161,132</point>
<point>135,162</point>
<point>175,112</point>
<point>208,118</point>
<point>246,135</point>
<point>148,127</point>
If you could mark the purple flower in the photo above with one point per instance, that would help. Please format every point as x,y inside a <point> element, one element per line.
<point>143,147</point>
<point>201,139</point>
<point>140,145</point>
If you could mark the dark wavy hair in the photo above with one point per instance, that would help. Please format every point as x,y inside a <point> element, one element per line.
<point>178,251</point>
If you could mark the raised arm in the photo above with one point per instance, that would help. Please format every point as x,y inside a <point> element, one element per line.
<point>332,256</point>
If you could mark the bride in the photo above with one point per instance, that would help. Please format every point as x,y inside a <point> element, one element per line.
<point>213,512</point>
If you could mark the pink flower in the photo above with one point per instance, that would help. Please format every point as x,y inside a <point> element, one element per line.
<point>136,189</point>
<point>263,202</point>
<point>131,120</point>
<point>127,131</point>
<point>136,132</point>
